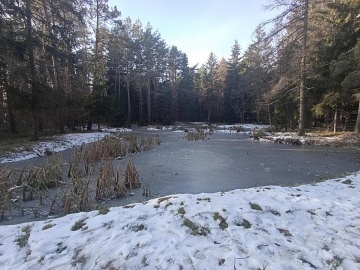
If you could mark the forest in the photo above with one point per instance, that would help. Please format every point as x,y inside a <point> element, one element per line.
<point>70,64</point>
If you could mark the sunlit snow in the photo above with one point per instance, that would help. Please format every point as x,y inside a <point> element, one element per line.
<point>57,144</point>
<point>305,227</point>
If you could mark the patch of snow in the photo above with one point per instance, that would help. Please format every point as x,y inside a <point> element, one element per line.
<point>116,130</point>
<point>254,126</point>
<point>150,128</point>
<point>59,143</point>
<point>226,131</point>
<point>284,136</point>
<point>242,126</point>
<point>303,227</point>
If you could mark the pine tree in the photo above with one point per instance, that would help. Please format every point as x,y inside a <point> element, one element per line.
<point>293,20</point>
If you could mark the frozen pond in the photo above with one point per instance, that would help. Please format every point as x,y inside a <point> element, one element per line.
<point>223,162</point>
<point>232,161</point>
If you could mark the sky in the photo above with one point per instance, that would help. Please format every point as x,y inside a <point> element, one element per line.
<point>198,27</point>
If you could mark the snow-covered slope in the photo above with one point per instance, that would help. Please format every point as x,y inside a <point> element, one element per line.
<point>273,228</point>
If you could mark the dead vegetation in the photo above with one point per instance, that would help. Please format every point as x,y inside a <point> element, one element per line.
<point>339,139</point>
<point>91,179</point>
<point>196,135</point>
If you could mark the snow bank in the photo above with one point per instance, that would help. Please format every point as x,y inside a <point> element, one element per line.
<point>273,228</point>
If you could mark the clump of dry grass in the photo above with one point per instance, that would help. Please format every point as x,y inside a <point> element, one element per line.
<point>109,184</point>
<point>198,135</point>
<point>79,198</point>
<point>91,176</point>
<point>222,221</point>
<point>110,146</point>
<point>133,146</point>
<point>76,163</point>
<point>5,194</point>
<point>149,143</point>
<point>22,240</point>
<point>132,178</point>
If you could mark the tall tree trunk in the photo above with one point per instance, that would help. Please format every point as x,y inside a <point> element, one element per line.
<point>269,115</point>
<point>303,72</point>
<point>156,106</point>
<point>335,119</point>
<point>7,97</point>
<point>174,103</point>
<point>357,124</point>
<point>141,104</point>
<point>55,67</point>
<point>89,123</point>
<point>117,81</point>
<point>148,97</point>
<point>34,94</point>
<point>119,86</point>
<point>128,100</point>
<point>12,121</point>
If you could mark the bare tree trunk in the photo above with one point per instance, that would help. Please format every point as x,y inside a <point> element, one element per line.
<point>357,124</point>
<point>156,106</point>
<point>89,123</point>
<point>8,92</point>
<point>303,72</point>
<point>269,114</point>
<point>141,104</point>
<point>55,67</point>
<point>128,100</point>
<point>119,86</point>
<point>12,121</point>
<point>335,119</point>
<point>174,102</point>
<point>115,81</point>
<point>148,97</point>
<point>34,94</point>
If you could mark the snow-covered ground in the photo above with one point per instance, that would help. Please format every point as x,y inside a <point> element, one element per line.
<point>343,140</point>
<point>57,144</point>
<point>305,227</point>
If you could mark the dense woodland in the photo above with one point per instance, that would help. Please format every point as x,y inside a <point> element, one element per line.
<point>69,64</point>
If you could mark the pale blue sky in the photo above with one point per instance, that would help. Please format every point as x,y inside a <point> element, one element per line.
<point>198,27</point>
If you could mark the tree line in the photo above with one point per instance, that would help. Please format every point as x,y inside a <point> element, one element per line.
<point>71,64</point>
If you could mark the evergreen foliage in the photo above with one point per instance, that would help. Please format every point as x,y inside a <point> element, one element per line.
<point>68,64</point>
